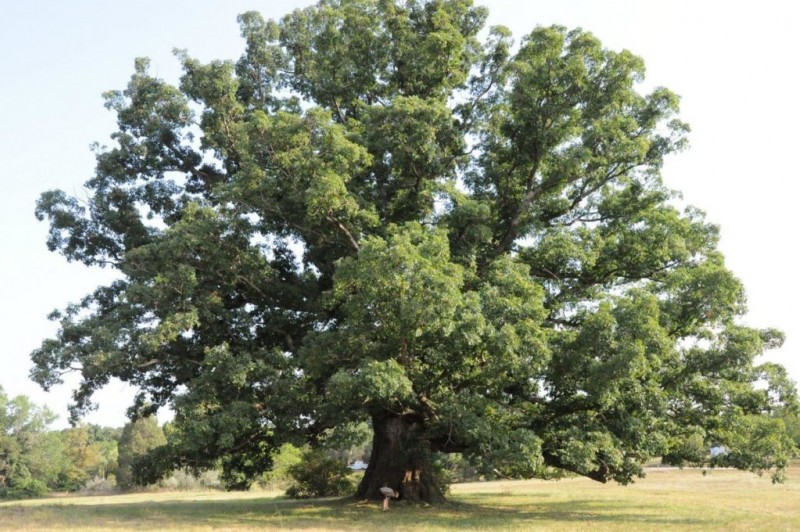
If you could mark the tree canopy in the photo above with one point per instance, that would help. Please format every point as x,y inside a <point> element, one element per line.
<point>382,211</point>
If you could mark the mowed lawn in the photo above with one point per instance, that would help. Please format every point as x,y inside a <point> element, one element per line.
<point>666,499</point>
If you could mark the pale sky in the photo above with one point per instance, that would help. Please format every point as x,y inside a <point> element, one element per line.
<point>734,63</point>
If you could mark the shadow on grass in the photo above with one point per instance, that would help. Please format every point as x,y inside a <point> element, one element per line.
<point>270,513</point>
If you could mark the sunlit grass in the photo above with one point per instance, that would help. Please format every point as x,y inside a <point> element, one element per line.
<point>666,499</point>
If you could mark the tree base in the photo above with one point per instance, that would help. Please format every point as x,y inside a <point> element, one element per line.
<point>400,460</point>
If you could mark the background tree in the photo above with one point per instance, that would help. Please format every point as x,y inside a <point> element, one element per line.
<point>25,468</point>
<point>106,440</point>
<point>49,463</point>
<point>83,458</point>
<point>374,216</point>
<point>138,437</point>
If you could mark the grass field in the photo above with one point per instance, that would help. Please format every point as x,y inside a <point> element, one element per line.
<point>666,499</point>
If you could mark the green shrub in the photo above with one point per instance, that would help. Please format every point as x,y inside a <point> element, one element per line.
<point>24,488</point>
<point>278,476</point>
<point>319,475</point>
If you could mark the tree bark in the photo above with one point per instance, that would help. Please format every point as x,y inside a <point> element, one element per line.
<point>401,460</point>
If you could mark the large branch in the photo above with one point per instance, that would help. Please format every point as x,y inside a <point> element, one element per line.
<point>516,220</point>
<point>343,229</point>
<point>601,474</point>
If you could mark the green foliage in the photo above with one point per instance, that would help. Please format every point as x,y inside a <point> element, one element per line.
<point>50,463</point>
<point>348,441</point>
<point>286,457</point>
<point>35,460</point>
<point>319,475</point>
<point>756,443</point>
<point>82,455</point>
<point>25,466</point>
<point>375,214</point>
<point>455,468</point>
<point>84,458</point>
<point>792,422</point>
<point>138,438</point>
<point>22,486</point>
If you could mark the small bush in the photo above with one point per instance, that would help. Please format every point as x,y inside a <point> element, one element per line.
<point>319,475</point>
<point>210,480</point>
<point>181,480</point>
<point>99,485</point>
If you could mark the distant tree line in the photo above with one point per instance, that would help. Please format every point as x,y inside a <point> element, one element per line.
<point>36,460</point>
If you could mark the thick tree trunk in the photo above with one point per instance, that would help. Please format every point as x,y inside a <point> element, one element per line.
<point>400,460</point>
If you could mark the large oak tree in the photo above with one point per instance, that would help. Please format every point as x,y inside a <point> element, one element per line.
<point>382,212</point>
